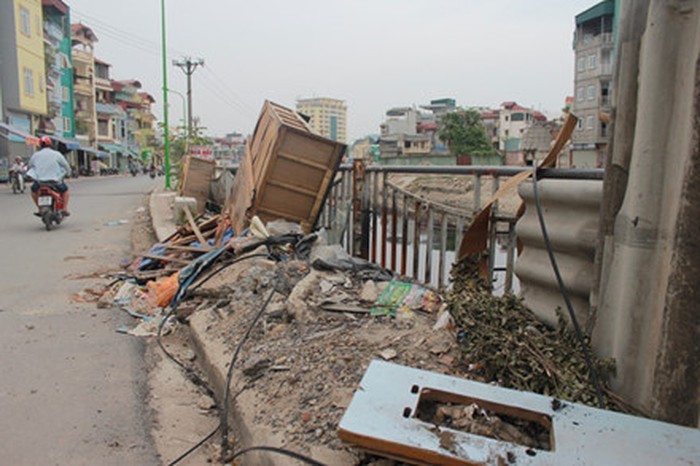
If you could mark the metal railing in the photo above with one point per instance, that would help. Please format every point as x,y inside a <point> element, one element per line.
<point>374,218</point>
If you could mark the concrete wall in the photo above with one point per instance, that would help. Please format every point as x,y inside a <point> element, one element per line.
<point>648,317</point>
<point>571,211</point>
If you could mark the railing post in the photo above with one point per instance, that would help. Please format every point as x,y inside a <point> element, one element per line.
<point>394,212</point>
<point>510,258</point>
<point>375,203</point>
<point>360,235</point>
<point>429,246</point>
<point>384,218</point>
<point>404,235</point>
<point>477,193</point>
<point>443,250</point>
<point>416,240</point>
<point>493,224</point>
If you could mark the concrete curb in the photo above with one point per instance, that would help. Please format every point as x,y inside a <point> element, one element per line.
<point>160,205</point>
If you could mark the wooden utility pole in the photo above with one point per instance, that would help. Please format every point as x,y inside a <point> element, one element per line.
<point>188,66</point>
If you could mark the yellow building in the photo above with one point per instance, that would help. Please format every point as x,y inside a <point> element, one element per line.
<point>22,75</point>
<point>30,55</point>
<point>328,117</point>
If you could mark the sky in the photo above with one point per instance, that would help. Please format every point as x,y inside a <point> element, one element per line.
<point>374,54</point>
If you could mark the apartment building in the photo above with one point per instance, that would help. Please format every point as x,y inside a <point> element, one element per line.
<point>594,53</point>
<point>22,76</point>
<point>328,117</point>
<point>60,120</point>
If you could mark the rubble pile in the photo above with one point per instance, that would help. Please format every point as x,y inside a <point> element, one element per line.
<point>304,364</point>
<point>502,341</point>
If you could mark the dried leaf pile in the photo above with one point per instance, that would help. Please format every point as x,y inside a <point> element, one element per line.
<point>502,341</point>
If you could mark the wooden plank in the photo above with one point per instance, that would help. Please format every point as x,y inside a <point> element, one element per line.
<point>175,247</point>
<point>194,227</point>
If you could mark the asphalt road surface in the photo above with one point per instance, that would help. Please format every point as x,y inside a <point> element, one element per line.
<point>72,389</point>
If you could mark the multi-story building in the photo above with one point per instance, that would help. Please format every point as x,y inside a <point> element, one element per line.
<point>83,39</point>
<point>593,48</point>
<point>513,121</point>
<point>107,116</point>
<point>328,117</point>
<point>139,118</point>
<point>22,75</point>
<point>407,131</point>
<point>59,72</point>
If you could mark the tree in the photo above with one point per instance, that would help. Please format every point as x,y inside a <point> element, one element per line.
<point>464,134</point>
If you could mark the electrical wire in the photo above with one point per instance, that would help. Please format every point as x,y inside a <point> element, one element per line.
<point>213,273</point>
<point>565,293</point>
<point>233,93</point>
<point>195,447</point>
<point>229,374</point>
<point>281,451</point>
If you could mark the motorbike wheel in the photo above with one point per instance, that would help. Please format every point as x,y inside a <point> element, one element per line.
<point>46,218</point>
<point>14,187</point>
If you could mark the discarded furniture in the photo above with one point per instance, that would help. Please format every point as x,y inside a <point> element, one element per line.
<point>387,411</point>
<point>196,180</point>
<point>286,172</point>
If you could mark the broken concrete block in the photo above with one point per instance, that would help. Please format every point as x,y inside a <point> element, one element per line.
<point>181,203</point>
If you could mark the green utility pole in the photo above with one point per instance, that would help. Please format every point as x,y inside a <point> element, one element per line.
<point>166,130</point>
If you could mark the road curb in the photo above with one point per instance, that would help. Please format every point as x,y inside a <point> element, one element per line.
<point>160,206</point>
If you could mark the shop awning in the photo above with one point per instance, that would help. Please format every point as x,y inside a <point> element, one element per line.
<point>70,143</point>
<point>95,153</point>
<point>113,148</point>
<point>12,131</point>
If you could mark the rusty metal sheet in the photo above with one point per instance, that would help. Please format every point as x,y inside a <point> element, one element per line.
<point>382,418</point>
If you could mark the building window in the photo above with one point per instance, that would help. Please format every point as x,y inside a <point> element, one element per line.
<point>102,128</point>
<point>28,82</point>
<point>66,125</point>
<point>591,92</point>
<point>580,94</point>
<point>25,26</point>
<point>591,62</point>
<point>589,122</point>
<point>517,117</point>
<point>582,64</point>
<point>579,124</point>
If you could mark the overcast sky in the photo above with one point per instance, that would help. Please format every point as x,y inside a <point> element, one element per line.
<point>375,54</point>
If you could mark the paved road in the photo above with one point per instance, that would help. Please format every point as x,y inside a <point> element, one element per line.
<point>72,390</point>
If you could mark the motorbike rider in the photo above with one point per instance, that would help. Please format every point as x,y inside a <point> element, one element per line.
<point>18,166</point>
<point>49,165</point>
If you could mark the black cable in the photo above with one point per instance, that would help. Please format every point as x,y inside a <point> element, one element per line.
<point>565,293</point>
<point>211,275</point>
<point>189,452</point>
<point>229,375</point>
<point>281,451</point>
<point>190,373</point>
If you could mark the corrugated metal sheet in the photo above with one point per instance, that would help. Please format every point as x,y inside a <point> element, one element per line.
<point>571,212</point>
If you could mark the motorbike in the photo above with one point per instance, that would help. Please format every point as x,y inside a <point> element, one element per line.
<point>17,182</point>
<point>152,172</point>
<point>50,203</point>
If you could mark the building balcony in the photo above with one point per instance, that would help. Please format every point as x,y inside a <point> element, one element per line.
<point>588,40</point>
<point>605,101</point>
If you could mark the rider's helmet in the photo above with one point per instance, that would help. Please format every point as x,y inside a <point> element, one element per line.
<point>18,159</point>
<point>45,141</point>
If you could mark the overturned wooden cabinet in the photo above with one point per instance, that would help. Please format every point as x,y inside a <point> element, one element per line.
<point>286,173</point>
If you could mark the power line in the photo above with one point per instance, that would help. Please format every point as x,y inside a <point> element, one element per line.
<point>223,83</point>
<point>124,34</point>
<point>216,89</point>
